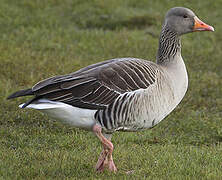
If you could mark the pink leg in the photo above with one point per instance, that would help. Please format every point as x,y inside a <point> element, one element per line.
<point>102,161</point>
<point>105,158</point>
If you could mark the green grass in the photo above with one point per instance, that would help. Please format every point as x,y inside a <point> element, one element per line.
<point>39,39</point>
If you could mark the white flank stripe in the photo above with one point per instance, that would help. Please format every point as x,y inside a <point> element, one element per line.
<point>77,117</point>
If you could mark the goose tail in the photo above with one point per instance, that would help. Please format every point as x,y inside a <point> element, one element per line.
<point>24,92</point>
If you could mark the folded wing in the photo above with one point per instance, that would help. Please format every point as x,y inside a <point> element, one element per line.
<point>98,85</point>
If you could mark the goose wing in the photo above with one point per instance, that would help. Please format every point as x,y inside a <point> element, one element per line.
<point>98,85</point>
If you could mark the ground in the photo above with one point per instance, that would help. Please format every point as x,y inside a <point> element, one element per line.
<point>39,39</point>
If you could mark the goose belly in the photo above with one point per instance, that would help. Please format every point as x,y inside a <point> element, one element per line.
<point>74,116</point>
<point>141,109</point>
<point>158,102</point>
<point>153,109</point>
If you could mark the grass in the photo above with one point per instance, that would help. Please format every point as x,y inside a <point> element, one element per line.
<point>39,39</point>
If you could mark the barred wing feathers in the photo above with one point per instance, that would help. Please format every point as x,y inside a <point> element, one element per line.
<point>98,85</point>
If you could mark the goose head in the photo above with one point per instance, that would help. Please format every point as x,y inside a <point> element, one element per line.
<point>182,20</point>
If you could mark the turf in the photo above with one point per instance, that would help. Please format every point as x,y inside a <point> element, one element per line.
<point>39,39</point>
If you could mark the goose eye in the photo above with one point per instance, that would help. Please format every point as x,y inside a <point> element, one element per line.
<point>185,16</point>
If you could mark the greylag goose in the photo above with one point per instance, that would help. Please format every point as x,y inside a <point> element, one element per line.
<point>123,94</point>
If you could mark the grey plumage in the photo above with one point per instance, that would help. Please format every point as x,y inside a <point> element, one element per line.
<point>98,86</point>
<point>125,94</point>
<point>130,111</point>
<point>169,45</point>
<point>25,92</point>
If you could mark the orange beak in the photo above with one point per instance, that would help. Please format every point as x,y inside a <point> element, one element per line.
<point>201,26</point>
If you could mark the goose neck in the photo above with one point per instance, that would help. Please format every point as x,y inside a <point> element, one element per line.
<point>169,46</point>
